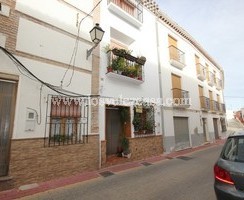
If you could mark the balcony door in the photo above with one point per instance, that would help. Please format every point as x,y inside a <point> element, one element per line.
<point>172,41</point>
<point>200,89</point>
<point>197,61</point>
<point>176,86</point>
<point>211,99</point>
<point>7,108</point>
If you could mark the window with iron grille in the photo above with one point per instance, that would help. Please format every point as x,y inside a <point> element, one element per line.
<point>144,123</point>
<point>67,122</point>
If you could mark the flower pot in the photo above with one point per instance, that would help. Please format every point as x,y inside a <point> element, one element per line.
<point>109,69</point>
<point>141,60</point>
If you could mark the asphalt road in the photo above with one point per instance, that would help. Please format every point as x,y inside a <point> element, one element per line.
<point>174,179</point>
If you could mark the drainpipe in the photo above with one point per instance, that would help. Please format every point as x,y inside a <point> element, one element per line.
<point>160,84</point>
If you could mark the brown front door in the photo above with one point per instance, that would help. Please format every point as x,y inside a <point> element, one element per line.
<point>7,108</point>
<point>113,130</point>
<point>216,130</point>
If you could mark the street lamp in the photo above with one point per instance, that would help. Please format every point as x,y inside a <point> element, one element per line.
<point>96,36</point>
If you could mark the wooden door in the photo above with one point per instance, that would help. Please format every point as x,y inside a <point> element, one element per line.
<point>113,130</point>
<point>216,130</point>
<point>211,99</point>
<point>173,48</point>
<point>202,99</point>
<point>197,66</point>
<point>176,86</point>
<point>172,41</point>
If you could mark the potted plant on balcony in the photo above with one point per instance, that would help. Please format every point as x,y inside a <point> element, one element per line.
<point>141,60</point>
<point>109,69</point>
<point>132,72</point>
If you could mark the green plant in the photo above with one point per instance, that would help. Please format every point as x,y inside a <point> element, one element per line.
<point>137,122</point>
<point>118,63</point>
<point>125,144</point>
<point>149,125</point>
<point>124,114</point>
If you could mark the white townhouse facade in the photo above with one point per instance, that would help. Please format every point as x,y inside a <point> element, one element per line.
<point>194,81</point>
<point>147,88</point>
<point>48,127</point>
<point>186,82</point>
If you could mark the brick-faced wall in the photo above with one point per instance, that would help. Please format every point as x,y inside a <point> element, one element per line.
<point>103,152</point>
<point>146,146</point>
<point>30,162</point>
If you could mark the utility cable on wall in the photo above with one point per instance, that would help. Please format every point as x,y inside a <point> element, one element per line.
<point>32,76</point>
<point>74,53</point>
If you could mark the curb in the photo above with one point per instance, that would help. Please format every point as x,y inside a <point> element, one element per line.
<point>35,188</point>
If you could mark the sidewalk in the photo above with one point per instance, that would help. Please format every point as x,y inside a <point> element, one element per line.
<point>28,190</point>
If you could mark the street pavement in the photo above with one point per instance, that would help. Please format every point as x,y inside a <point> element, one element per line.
<point>184,177</point>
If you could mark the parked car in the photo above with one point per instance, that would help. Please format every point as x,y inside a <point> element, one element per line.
<point>229,169</point>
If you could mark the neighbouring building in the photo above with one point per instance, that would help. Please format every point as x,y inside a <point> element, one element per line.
<point>147,88</point>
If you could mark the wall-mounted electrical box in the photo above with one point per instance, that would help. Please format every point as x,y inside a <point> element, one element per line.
<point>30,120</point>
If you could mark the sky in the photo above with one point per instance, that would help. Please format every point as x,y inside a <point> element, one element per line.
<point>218,25</point>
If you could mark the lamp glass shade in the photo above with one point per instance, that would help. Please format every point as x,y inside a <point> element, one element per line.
<point>96,34</point>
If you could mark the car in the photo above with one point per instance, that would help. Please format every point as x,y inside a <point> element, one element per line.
<point>229,169</point>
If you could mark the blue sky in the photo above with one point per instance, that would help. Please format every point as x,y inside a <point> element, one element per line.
<point>218,25</point>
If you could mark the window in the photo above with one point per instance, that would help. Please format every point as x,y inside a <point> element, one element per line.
<point>144,123</point>
<point>234,149</point>
<point>68,120</point>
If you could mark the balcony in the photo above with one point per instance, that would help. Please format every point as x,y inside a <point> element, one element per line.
<point>214,106</point>
<point>181,98</point>
<point>177,57</point>
<point>125,67</point>
<point>222,108</point>
<point>211,78</point>
<point>219,84</point>
<point>129,10</point>
<point>205,103</point>
<point>201,72</point>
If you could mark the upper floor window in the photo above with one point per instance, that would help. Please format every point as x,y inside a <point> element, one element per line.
<point>201,70</point>
<point>131,8</point>
<point>177,57</point>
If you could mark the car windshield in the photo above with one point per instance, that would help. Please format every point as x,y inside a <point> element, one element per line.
<point>234,149</point>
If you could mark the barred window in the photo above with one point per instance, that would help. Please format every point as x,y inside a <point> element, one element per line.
<point>144,123</point>
<point>68,120</point>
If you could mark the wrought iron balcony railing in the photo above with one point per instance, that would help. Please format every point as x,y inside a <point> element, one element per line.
<point>201,72</point>
<point>125,65</point>
<point>181,98</point>
<point>214,106</point>
<point>177,57</point>
<point>132,7</point>
<point>205,103</point>
<point>222,108</point>
<point>211,78</point>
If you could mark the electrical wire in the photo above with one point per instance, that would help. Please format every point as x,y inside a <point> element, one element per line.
<point>74,53</point>
<point>48,85</point>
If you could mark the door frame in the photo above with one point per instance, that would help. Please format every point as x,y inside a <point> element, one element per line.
<point>10,79</point>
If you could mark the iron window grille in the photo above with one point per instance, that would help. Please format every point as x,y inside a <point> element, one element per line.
<point>66,121</point>
<point>144,122</point>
